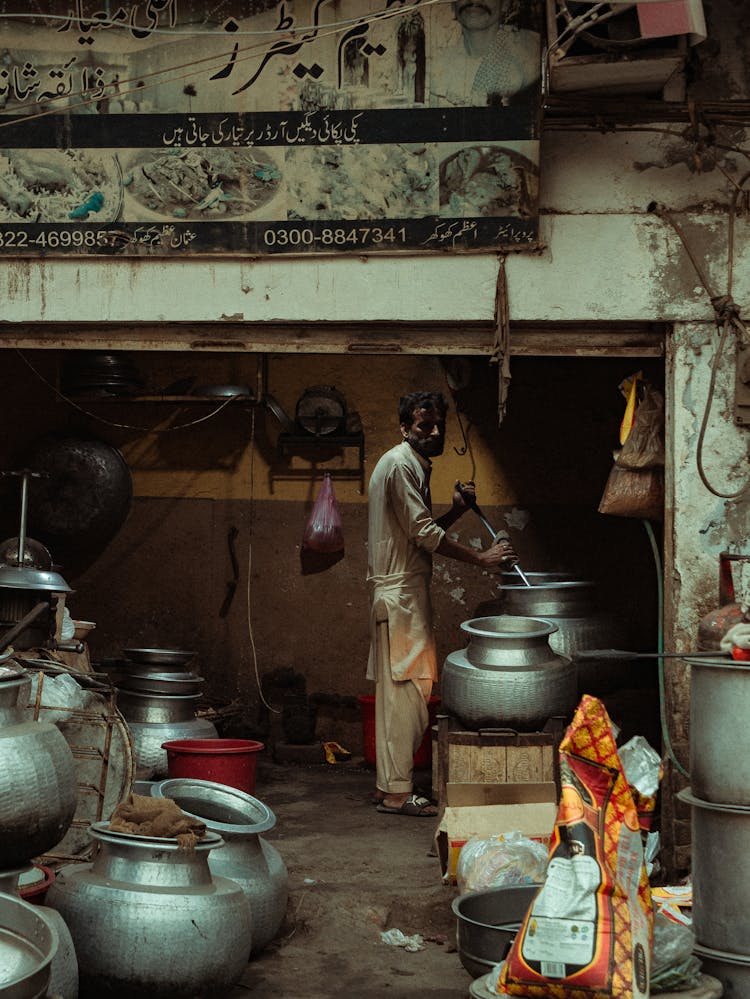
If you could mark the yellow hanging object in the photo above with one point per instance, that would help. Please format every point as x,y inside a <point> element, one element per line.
<point>335,753</point>
<point>629,388</point>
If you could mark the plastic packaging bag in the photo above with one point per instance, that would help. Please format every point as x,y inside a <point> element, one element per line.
<point>589,928</point>
<point>634,493</point>
<point>674,967</point>
<point>499,861</point>
<point>644,447</point>
<point>324,531</point>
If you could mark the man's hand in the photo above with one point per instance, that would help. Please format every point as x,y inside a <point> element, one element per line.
<point>464,495</point>
<point>500,553</point>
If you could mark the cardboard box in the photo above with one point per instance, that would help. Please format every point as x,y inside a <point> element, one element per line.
<point>490,809</point>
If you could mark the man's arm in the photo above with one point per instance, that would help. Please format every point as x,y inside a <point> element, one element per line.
<point>499,553</point>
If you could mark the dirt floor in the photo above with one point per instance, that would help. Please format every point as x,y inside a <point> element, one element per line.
<point>353,873</point>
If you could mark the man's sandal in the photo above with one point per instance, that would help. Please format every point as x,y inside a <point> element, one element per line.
<point>415,805</point>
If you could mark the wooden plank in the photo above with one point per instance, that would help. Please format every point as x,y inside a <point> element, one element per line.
<point>564,339</point>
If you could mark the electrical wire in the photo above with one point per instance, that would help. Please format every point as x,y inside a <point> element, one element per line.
<point>727,318</point>
<point>660,648</point>
<point>251,635</point>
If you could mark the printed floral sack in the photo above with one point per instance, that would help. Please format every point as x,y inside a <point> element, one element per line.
<point>588,932</point>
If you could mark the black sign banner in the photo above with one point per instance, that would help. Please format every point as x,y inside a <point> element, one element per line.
<point>192,127</point>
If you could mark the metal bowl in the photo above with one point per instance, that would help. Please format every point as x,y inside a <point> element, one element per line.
<point>168,658</point>
<point>223,391</point>
<point>28,943</point>
<point>137,706</point>
<point>161,683</point>
<point>487,922</point>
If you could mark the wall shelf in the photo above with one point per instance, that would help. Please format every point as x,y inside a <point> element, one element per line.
<point>308,446</point>
<point>180,400</point>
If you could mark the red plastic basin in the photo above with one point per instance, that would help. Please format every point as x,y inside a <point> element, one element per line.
<point>223,761</point>
<point>422,757</point>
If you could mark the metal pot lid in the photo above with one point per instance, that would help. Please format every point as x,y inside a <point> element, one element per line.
<point>159,657</point>
<point>19,577</point>
<point>86,491</point>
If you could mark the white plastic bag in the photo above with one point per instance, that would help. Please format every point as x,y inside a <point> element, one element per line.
<point>509,858</point>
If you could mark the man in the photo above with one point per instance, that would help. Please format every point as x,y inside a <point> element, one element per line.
<point>490,63</point>
<point>402,537</point>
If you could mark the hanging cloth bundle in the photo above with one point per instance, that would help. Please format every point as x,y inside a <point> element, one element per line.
<point>501,346</point>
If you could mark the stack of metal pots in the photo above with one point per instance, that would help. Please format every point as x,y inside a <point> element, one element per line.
<point>583,623</point>
<point>508,676</point>
<point>158,697</point>
<point>719,797</point>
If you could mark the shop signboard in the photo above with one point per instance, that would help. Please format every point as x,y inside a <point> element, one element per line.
<point>228,127</point>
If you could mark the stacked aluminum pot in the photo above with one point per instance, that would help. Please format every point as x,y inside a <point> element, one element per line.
<point>508,676</point>
<point>719,797</point>
<point>574,605</point>
<point>158,697</point>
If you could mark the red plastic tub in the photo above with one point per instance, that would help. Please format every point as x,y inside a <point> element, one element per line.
<point>223,761</point>
<point>422,757</point>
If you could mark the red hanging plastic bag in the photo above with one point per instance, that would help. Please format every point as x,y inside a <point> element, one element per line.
<point>324,531</point>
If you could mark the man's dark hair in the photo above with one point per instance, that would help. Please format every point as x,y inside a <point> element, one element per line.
<point>434,401</point>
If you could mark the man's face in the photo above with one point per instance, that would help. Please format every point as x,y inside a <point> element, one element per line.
<point>476,15</point>
<point>426,434</point>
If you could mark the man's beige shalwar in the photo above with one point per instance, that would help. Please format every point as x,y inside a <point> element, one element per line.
<point>403,657</point>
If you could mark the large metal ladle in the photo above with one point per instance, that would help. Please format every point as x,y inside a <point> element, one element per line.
<point>471,502</point>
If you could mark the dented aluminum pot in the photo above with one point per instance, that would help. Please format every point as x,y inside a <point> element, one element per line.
<point>720,873</point>
<point>38,792</point>
<point>508,676</point>
<point>247,858</point>
<point>719,731</point>
<point>148,918</point>
<point>573,605</point>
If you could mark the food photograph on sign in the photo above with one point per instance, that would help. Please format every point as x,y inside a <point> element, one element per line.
<point>319,126</point>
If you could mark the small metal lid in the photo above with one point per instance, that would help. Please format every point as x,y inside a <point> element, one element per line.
<point>20,577</point>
